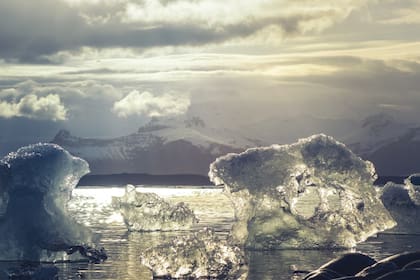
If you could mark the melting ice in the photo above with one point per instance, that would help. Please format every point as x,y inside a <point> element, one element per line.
<point>200,255</point>
<point>315,193</point>
<point>403,203</point>
<point>149,212</point>
<point>35,185</point>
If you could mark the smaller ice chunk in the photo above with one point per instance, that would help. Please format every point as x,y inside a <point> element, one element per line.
<point>403,203</point>
<point>149,212</point>
<point>200,255</point>
<point>413,186</point>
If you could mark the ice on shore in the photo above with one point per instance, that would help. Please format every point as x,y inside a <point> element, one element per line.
<point>35,185</point>
<point>403,203</point>
<point>315,193</point>
<point>200,255</point>
<point>149,212</point>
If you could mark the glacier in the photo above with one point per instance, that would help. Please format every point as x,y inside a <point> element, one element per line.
<point>315,193</point>
<point>36,183</point>
<point>199,255</point>
<point>149,212</point>
<point>403,203</point>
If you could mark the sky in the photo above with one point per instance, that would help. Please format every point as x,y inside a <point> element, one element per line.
<point>102,68</point>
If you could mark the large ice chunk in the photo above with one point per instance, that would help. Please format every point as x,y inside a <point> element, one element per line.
<point>403,203</point>
<point>312,194</point>
<point>149,212</point>
<point>200,255</point>
<point>35,184</point>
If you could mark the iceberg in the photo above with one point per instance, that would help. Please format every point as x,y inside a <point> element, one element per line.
<point>149,212</point>
<point>36,183</point>
<point>315,193</point>
<point>200,255</point>
<point>403,203</point>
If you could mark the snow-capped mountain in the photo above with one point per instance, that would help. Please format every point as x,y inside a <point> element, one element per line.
<point>188,146</point>
<point>375,132</point>
<point>393,146</point>
<point>173,147</point>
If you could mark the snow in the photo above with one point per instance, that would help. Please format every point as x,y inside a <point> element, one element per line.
<point>312,194</point>
<point>36,183</point>
<point>200,255</point>
<point>149,212</point>
<point>122,148</point>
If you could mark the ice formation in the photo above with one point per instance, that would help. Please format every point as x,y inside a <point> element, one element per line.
<point>403,203</point>
<point>35,184</point>
<point>200,255</point>
<point>413,186</point>
<point>149,212</point>
<point>315,193</point>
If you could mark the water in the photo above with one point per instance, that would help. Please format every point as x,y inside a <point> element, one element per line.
<point>91,206</point>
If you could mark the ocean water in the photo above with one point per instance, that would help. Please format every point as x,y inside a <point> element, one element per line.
<point>91,206</point>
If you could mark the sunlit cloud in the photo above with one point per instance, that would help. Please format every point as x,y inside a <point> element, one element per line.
<point>111,62</point>
<point>395,107</point>
<point>147,104</point>
<point>31,106</point>
<point>150,24</point>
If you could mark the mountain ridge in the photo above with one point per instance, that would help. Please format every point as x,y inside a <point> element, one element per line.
<point>189,146</point>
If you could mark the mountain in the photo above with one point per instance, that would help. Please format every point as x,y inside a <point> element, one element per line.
<point>188,146</point>
<point>393,146</point>
<point>174,147</point>
<point>278,130</point>
<point>375,132</point>
<point>399,156</point>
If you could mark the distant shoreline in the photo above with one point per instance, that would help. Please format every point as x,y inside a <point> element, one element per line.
<point>177,179</point>
<point>145,179</point>
<point>382,180</point>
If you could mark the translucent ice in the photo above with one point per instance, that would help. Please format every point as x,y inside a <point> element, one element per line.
<point>403,203</point>
<point>200,255</point>
<point>35,184</point>
<point>312,194</point>
<point>149,212</point>
<point>413,186</point>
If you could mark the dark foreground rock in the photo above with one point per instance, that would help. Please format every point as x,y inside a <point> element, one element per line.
<point>404,266</point>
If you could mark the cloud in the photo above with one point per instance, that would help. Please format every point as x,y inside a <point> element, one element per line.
<point>397,12</point>
<point>57,101</point>
<point>152,23</point>
<point>31,106</point>
<point>147,104</point>
<point>395,107</point>
<point>76,92</point>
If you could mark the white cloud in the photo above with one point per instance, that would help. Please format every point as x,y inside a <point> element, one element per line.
<point>216,13</point>
<point>31,106</point>
<point>147,104</point>
<point>395,107</point>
